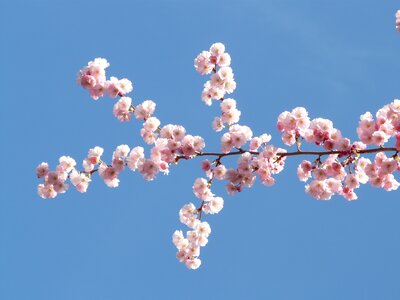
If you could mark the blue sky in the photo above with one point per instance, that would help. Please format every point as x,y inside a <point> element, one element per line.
<point>337,59</point>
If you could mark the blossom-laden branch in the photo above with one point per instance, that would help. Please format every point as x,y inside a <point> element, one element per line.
<point>339,168</point>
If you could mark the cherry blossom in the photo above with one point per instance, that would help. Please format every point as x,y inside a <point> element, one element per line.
<point>335,165</point>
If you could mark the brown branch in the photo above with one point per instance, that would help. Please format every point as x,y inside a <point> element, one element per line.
<point>283,154</point>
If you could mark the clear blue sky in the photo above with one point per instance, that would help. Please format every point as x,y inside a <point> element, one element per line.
<point>336,58</point>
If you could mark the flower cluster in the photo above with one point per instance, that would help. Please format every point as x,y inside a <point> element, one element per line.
<point>386,125</point>
<point>217,61</point>
<point>344,169</point>
<point>398,20</point>
<point>172,144</point>
<point>54,181</point>
<point>93,78</point>
<point>189,247</point>
<point>330,177</point>
<point>222,80</point>
<point>296,126</point>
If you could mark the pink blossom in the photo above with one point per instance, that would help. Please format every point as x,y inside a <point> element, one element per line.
<point>121,151</point>
<point>42,170</point>
<point>46,191</point>
<point>93,78</point>
<point>232,116</point>
<point>202,63</point>
<point>379,138</point>
<point>214,206</point>
<point>395,105</point>
<point>178,239</point>
<point>390,183</point>
<point>349,194</point>
<point>217,124</point>
<point>66,163</point>
<point>80,181</point>
<point>193,263</point>
<point>109,175</point>
<point>94,155</point>
<point>148,136</point>
<point>202,190</point>
<point>151,124</point>
<point>219,172</point>
<point>206,165</point>
<point>122,109</point>
<point>302,174</point>
<point>319,174</point>
<point>343,144</point>
<point>319,190</point>
<point>217,49</point>
<point>187,215</point>
<point>228,104</point>
<point>149,169</point>
<point>352,181</point>
<point>226,142</point>
<point>198,143</point>
<point>388,166</point>
<point>224,60</point>
<point>231,189</point>
<point>145,110</point>
<point>334,185</point>
<point>118,87</point>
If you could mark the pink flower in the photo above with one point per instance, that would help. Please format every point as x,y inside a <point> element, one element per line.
<point>178,239</point>
<point>145,110</point>
<point>395,105</point>
<point>151,124</point>
<point>149,169</point>
<point>319,190</point>
<point>116,87</point>
<point>206,165</point>
<point>226,142</point>
<point>349,194</point>
<point>232,116</point>
<point>228,104</point>
<point>121,151</point>
<point>379,138</point>
<point>224,60</point>
<point>198,143</point>
<point>219,172</point>
<point>80,181</point>
<point>187,215</point>
<point>202,63</point>
<point>136,157</point>
<point>217,124</point>
<point>66,163</point>
<point>217,49</point>
<point>193,263</point>
<point>390,183</point>
<point>352,181</point>
<point>388,166</point>
<point>148,136</point>
<point>122,109</point>
<point>109,175</point>
<point>214,206</point>
<point>93,78</point>
<point>42,170</point>
<point>202,190</point>
<point>343,144</point>
<point>46,191</point>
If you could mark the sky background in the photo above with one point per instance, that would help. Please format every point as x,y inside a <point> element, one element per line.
<point>338,59</point>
